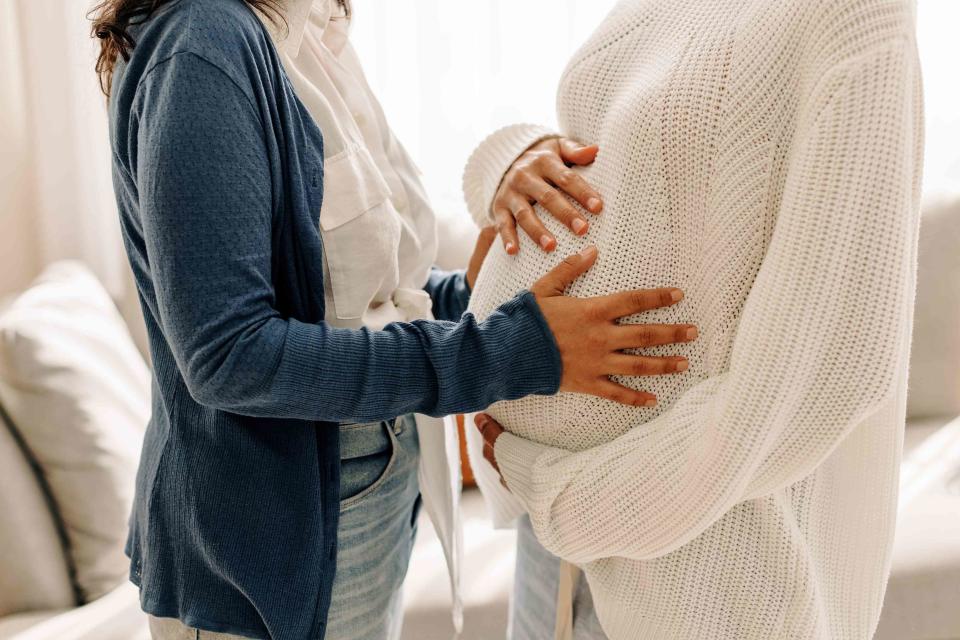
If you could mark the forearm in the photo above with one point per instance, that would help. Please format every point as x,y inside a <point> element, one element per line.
<point>315,372</point>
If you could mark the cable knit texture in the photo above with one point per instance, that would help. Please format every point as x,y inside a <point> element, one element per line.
<point>766,158</point>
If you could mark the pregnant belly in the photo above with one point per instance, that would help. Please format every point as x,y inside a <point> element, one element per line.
<point>574,421</point>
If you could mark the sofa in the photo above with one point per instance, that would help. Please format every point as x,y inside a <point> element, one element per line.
<point>74,399</point>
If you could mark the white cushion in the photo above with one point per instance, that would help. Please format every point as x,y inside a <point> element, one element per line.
<point>923,595</point>
<point>79,394</point>
<point>115,616</point>
<point>34,571</point>
<point>935,363</point>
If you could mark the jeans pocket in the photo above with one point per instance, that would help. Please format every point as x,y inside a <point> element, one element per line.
<point>360,477</point>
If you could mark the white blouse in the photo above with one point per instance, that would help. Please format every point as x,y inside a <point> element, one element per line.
<point>379,230</point>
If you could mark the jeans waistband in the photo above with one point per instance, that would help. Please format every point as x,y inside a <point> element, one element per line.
<point>358,440</point>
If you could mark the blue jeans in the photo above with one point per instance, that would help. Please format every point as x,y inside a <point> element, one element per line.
<point>533,610</point>
<point>379,504</point>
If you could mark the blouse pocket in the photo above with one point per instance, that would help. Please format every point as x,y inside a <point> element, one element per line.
<point>360,231</point>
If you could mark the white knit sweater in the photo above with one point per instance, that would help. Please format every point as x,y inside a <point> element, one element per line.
<point>765,157</point>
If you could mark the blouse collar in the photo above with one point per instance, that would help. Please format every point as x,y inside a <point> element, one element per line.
<point>288,37</point>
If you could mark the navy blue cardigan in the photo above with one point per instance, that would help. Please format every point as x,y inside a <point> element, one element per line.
<point>218,172</point>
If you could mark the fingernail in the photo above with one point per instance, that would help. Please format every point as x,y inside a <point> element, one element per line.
<point>510,247</point>
<point>594,205</point>
<point>545,241</point>
<point>682,365</point>
<point>676,295</point>
<point>579,226</point>
<point>692,333</point>
<point>589,251</point>
<point>650,403</point>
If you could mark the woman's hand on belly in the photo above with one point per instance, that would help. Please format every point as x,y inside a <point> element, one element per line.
<point>592,343</point>
<point>539,176</point>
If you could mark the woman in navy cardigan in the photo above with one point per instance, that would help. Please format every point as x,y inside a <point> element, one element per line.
<point>219,179</point>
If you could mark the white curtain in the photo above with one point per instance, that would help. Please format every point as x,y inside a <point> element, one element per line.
<point>937,25</point>
<point>56,200</point>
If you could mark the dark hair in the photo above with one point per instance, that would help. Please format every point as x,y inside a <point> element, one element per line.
<point>112,20</point>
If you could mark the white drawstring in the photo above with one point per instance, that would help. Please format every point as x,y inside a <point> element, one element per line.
<point>566,589</point>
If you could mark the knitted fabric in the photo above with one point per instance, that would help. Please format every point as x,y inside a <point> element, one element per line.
<point>765,158</point>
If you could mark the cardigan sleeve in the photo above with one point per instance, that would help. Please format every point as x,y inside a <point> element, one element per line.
<point>205,198</point>
<point>821,346</point>
<point>450,293</point>
<point>490,162</point>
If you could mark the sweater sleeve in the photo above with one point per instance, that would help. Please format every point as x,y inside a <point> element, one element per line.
<point>491,161</point>
<point>205,196</point>
<point>822,343</point>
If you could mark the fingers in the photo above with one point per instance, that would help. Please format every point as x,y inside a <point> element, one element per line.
<point>565,178</point>
<point>537,189</point>
<point>490,456</point>
<point>491,430</point>
<point>575,153</point>
<point>624,365</point>
<point>623,395</point>
<point>543,175</point>
<point>506,225</point>
<point>530,223</point>
<point>555,283</point>
<point>628,303</point>
<point>641,336</point>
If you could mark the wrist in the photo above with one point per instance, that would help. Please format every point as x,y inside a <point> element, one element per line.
<point>516,457</point>
<point>535,349</point>
<point>491,161</point>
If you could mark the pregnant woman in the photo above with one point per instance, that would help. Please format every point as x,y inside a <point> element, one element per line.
<point>282,246</point>
<point>766,158</point>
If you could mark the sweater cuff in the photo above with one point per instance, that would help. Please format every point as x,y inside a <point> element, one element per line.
<point>516,458</point>
<point>539,356</point>
<point>491,161</point>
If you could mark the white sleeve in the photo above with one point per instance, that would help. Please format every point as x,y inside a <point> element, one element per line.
<point>491,161</point>
<point>822,343</point>
<point>503,507</point>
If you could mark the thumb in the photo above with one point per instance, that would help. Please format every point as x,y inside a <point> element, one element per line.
<point>572,152</point>
<point>555,283</point>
